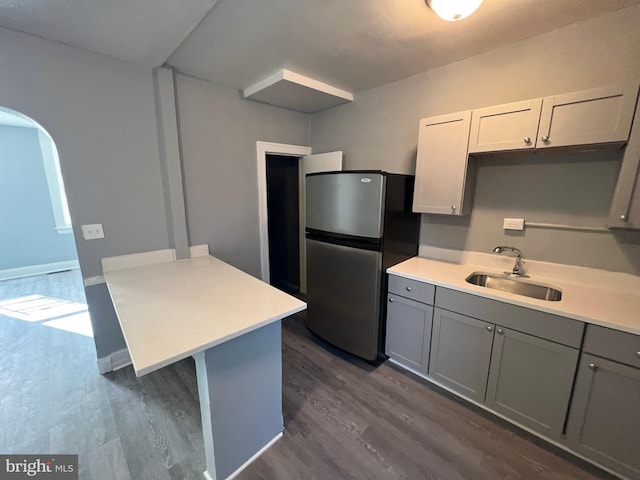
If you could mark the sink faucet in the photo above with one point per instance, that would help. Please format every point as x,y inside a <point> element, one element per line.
<point>519,262</point>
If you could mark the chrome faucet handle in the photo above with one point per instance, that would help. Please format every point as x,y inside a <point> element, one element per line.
<point>518,265</point>
<point>519,261</point>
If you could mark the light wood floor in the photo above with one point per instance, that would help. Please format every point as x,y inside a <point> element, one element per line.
<point>343,417</point>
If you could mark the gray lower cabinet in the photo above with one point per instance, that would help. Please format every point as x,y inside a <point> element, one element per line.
<point>604,421</point>
<point>530,380</point>
<point>460,353</point>
<point>408,332</point>
<point>522,365</point>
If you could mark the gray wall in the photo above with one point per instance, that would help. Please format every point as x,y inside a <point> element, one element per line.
<point>380,130</point>
<point>28,234</point>
<point>219,131</point>
<point>100,112</point>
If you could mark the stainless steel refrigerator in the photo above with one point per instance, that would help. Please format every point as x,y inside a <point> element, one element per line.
<point>358,223</point>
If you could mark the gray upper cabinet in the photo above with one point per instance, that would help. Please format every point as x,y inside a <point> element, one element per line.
<point>625,205</point>
<point>445,177</point>
<point>441,166</point>
<point>408,332</point>
<point>604,422</point>
<point>460,353</point>
<point>599,115</point>
<point>530,380</point>
<point>513,126</point>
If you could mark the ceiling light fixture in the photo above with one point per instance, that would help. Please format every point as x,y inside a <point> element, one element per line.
<point>454,10</point>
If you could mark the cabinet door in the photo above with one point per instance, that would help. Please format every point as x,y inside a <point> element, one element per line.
<point>441,165</point>
<point>625,204</point>
<point>600,115</point>
<point>505,127</point>
<point>530,380</point>
<point>604,422</point>
<point>460,353</point>
<point>408,332</point>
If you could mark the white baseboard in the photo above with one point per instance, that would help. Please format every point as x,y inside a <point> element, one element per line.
<point>199,250</point>
<point>38,269</point>
<point>208,476</point>
<point>115,361</point>
<point>257,454</point>
<point>91,281</point>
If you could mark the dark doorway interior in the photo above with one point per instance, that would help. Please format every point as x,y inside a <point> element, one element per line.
<point>284,222</point>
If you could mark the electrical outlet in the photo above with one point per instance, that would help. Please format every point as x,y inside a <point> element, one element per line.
<point>513,224</point>
<point>93,231</point>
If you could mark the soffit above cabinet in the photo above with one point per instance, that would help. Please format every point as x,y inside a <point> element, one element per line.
<point>294,91</point>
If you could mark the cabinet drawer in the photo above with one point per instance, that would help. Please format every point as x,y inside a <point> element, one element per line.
<point>413,289</point>
<point>618,346</point>
<point>544,325</point>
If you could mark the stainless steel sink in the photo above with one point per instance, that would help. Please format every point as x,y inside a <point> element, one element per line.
<point>515,285</point>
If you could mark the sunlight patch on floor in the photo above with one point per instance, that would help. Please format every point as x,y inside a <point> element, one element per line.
<point>51,312</point>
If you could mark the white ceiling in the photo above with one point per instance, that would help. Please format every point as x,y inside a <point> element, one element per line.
<point>352,45</point>
<point>144,32</point>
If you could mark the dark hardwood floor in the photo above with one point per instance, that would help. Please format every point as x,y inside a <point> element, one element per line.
<point>343,417</point>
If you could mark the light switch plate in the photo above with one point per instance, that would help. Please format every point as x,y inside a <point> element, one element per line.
<point>513,224</point>
<point>93,231</point>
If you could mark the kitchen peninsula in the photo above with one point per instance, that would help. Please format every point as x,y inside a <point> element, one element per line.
<point>230,322</point>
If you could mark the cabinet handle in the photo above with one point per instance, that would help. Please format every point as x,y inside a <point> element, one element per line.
<point>593,367</point>
<point>623,217</point>
<point>638,354</point>
<point>390,299</point>
<point>453,207</point>
<point>545,138</point>
<point>527,140</point>
<point>489,328</point>
<point>500,331</point>
<point>408,289</point>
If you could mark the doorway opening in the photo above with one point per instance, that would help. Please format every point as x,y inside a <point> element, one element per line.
<point>283,206</point>
<point>304,163</point>
<point>40,281</point>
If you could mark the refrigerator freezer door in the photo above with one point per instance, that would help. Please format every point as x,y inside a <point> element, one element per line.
<point>348,203</point>
<point>343,296</point>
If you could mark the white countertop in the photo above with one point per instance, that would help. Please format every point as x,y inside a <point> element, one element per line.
<point>610,304</point>
<point>171,310</point>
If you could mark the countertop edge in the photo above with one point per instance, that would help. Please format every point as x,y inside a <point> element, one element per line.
<point>143,369</point>
<point>506,297</point>
<point>176,358</point>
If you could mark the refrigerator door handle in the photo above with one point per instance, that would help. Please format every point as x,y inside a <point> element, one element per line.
<point>366,243</point>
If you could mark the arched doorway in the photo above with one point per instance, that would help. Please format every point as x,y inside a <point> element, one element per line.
<point>40,281</point>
